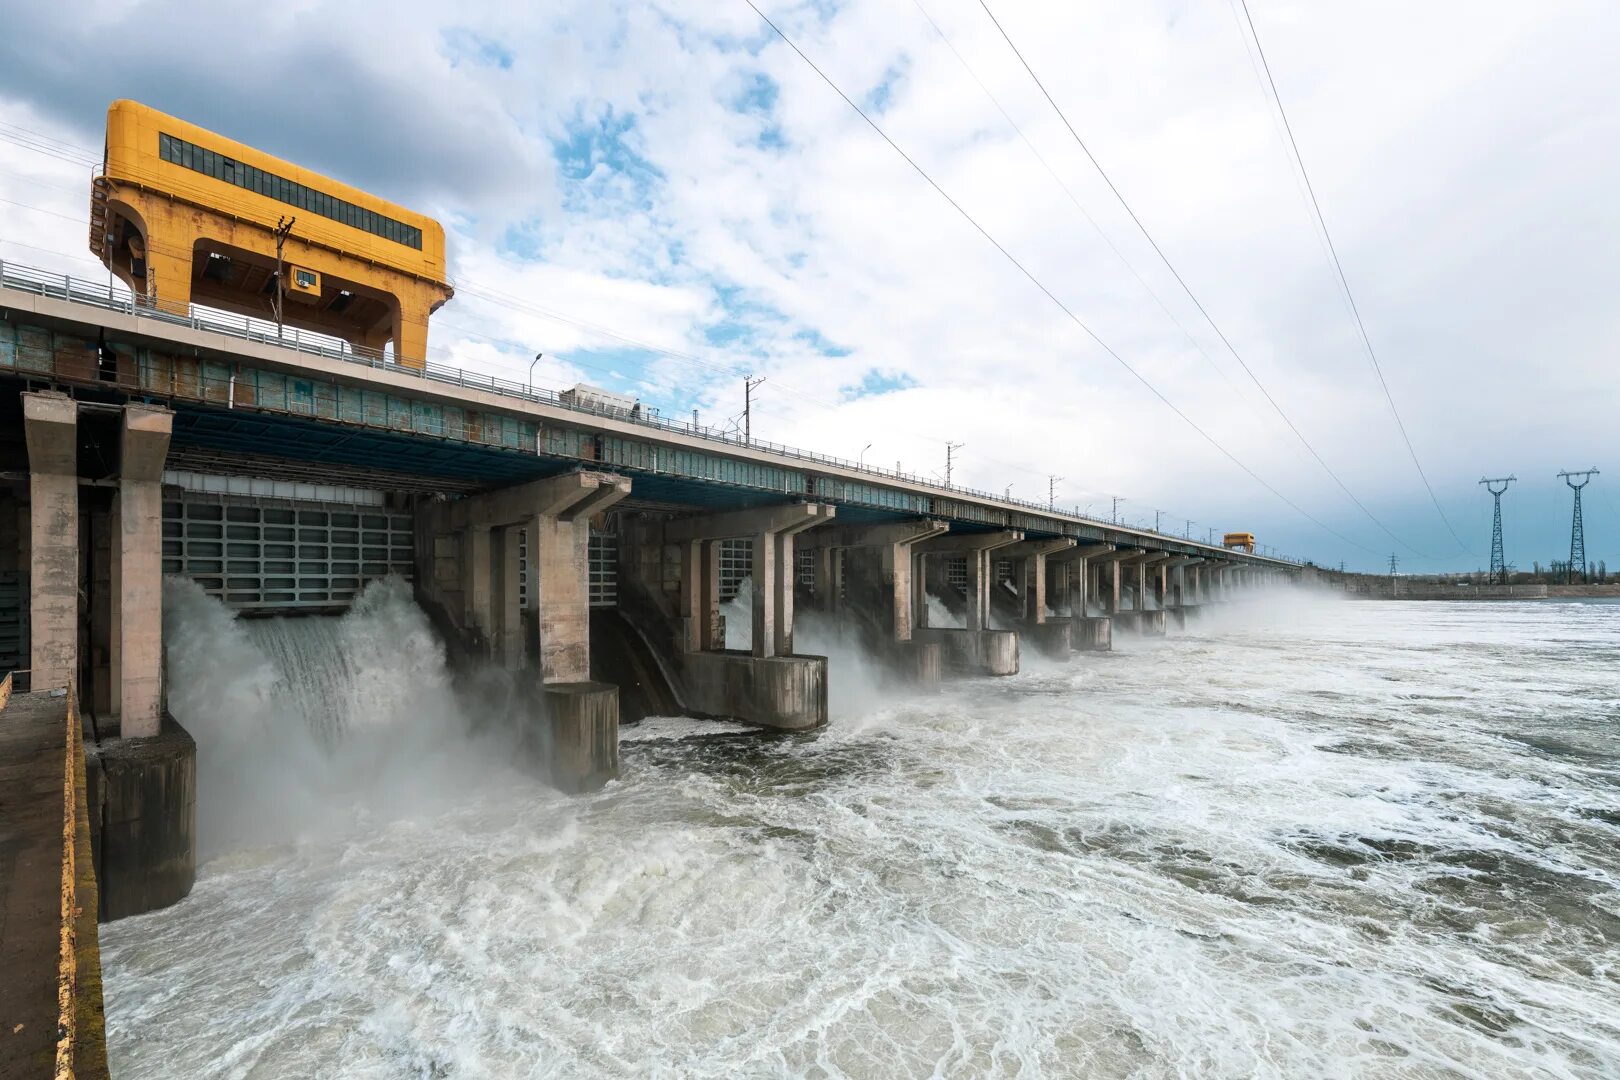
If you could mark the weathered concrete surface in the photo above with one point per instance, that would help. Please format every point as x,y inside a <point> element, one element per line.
<point>918,663</point>
<point>1054,637</point>
<point>1093,634</point>
<point>137,668</point>
<point>1151,623</point>
<point>39,754</point>
<point>50,424</point>
<point>143,813</point>
<point>578,747</point>
<point>785,692</point>
<point>974,652</point>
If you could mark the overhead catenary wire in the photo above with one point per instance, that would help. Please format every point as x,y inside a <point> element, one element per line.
<point>1050,295</point>
<point>1344,282</point>
<point>500,299</point>
<point>1181,281</point>
<point>488,294</point>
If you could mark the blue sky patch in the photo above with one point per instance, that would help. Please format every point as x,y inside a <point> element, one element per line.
<point>462,45</point>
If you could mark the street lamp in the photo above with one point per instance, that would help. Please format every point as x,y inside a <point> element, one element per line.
<point>533,362</point>
<point>861,459</point>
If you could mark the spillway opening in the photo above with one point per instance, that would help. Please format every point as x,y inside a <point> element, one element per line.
<point>316,722</point>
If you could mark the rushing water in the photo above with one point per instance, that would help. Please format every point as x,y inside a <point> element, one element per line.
<point>1305,838</point>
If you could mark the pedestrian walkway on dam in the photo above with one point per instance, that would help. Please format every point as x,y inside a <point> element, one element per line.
<point>33,751</point>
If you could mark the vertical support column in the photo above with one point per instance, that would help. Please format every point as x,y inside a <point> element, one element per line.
<point>763,642</point>
<point>978,589</point>
<point>477,579</point>
<point>138,670</point>
<point>1078,600</point>
<point>1034,590</point>
<point>1111,586</point>
<point>559,572</point>
<point>827,579</point>
<point>712,637</point>
<point>1060,587</point>
<point>1141,586</point>
<point>693,610</point>
<point>786,570</point>
<point>919,589</point>
<point>507,636</point>
<point>50,425</point>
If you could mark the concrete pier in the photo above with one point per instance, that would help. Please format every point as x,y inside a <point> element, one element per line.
<point>974,649</point>
<point>669,588</point>
<point>143,802</point>
<point>50,425</point>
<point>1093,634</point>
<point>577,746</point>
<point>974,652</point>
<point>468,571</point>
<point>874,564</point>
<point>136,657</point>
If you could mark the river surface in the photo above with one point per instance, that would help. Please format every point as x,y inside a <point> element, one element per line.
<point>1304,838</point>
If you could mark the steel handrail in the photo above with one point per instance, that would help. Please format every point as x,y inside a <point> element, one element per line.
<point>77,290</point>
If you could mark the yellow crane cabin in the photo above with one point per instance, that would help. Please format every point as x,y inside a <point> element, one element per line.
<point>182,215</point>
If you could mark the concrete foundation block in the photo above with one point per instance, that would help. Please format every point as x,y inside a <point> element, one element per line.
<point>975,652</point>
<point>918,663</point>
<point>1126,620</point>
<point>142,796</point>
<point>1093,634</point>
<point>1151,623</point>
<point>784,692</point>
<point>578,745</point>
<point>1054,637</point>
<point>1178,617</point>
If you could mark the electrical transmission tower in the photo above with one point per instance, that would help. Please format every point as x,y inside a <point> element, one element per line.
<point>1577,533</point>
<point>1498,564</point>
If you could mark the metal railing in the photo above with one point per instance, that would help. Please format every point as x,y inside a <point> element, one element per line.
<point>79,291</point>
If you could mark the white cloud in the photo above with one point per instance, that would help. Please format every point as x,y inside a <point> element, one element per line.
<point>1465,156</point>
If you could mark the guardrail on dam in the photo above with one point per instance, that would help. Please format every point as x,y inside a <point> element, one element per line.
<point>590,555</point>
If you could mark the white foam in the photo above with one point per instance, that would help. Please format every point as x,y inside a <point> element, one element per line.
<point>1305,840</point>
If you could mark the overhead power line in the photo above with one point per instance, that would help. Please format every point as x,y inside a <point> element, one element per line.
<point>1344,282</point>
<point>1050,295</point>
<point>1199,304</point>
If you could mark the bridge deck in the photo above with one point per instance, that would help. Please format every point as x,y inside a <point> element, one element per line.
<point>33,740</point>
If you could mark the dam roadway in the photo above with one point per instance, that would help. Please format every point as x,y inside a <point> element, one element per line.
<point>588,553</point>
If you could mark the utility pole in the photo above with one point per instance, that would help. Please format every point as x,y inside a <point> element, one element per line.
<point>1051,491</point>
<point>1188,533</point>
<point>283,229</point>
<point>950,449</point>
<point>1115,516</point>
<point>1577,532</point>
<point>749,384</point>
<point>1498,564</point>
<point>1158,515</point>
<point>1210,539</point>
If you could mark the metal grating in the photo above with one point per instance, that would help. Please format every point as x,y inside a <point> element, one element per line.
<point>604,570</point>
<point>270,553</point>
<point>736,563</point>
<point>956,571</point>
<point>807,568</point>
<point>14,626</point>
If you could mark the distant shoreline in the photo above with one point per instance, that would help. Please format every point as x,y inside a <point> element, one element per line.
<point>1385,589</point>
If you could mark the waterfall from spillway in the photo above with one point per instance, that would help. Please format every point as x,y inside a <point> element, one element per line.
<point>301,722</point>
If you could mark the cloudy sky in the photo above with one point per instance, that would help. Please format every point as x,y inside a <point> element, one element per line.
<point>664,196</point>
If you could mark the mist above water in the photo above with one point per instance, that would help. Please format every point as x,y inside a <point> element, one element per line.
<point>315,723</point>
<point>1305,838</point>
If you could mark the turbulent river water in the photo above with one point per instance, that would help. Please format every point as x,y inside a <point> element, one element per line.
<point>1304,838</point>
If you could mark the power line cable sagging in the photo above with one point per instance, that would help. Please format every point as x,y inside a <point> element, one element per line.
<point>1344,282</point>
<point>1048,293</point>
<point>1181,281</point>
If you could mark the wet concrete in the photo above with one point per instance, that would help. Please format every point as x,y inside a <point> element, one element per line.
<point>33,740</point>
